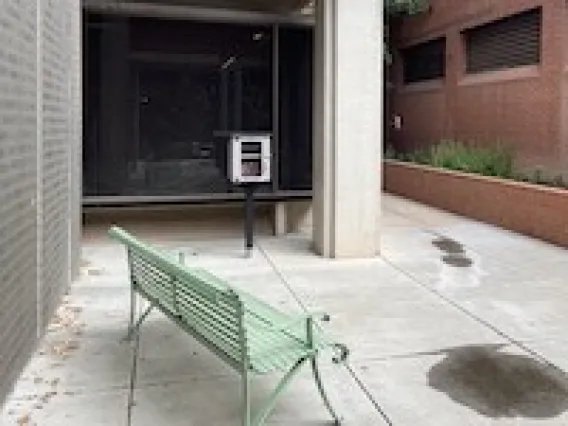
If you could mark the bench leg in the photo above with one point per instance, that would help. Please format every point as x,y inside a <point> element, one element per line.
<point>246,401</point>
<point>132,311</point>
<point>133,329</point>
<point>315,370</point>
<point>273,397</point>
<point>133,376</point>
<point>327,403</point>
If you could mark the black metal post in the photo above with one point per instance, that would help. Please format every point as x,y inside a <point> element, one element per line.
<point>249,218</point>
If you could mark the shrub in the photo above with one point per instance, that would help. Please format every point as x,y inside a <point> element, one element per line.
<point>390,152</point>
<point>420,156</point>
<point>487,161</point>
<point>455,155</point>
<point>559,182</point>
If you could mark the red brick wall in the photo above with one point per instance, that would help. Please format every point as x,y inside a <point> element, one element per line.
<point>522,107</point>
<point>564,113</point>
<point>532,210</point>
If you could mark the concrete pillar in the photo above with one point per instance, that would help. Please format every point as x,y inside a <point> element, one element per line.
<point>348,127</point>
<point>280,219</point>
<point>293,216</point>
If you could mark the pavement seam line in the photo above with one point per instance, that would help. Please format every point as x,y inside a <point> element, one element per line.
<point>427,229</point>
<point>475,317</point>
<point>348,367</point>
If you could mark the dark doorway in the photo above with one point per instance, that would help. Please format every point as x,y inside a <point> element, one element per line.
<point>159,92</point>
<point>296,106</point>
<point>178,111</point>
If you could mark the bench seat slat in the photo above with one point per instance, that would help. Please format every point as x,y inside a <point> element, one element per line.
<point>188,309</point>
<point>164,261</point>
<point>151,277</point>
<point>271,350</point>
<point>226,341</point>
<point>220,308</point>
<point>270,347</point>
<point>165,297</point>
<point>188,306</point>
<point>227,345</point>
<point>210,319</point>
<point>246,333</point>
<point>226,335</point>
<point>165,281</point>
<point>230,358</point>
<point>209,308</point>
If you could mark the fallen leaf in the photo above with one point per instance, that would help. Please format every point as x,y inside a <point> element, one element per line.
<point>24,420</point>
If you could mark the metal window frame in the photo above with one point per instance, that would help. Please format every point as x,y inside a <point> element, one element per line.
<point>109,201</point>
<point>188,12</point>
<point>518,27</point>
<point>193,13</point>
<point>408,50</point>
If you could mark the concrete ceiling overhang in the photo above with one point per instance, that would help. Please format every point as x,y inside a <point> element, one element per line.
<point>214,9</point>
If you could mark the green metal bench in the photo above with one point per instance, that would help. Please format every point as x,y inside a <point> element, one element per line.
<point>247,334</point>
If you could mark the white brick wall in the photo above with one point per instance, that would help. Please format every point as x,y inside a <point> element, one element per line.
<point>56,150</point>
<point>76,120</point>
<point>39,190</point>
<point>18,180</point>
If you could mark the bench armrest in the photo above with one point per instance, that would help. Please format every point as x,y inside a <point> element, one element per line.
<point>311,320</point>
<point>341,353</point>
<point>301,319</point>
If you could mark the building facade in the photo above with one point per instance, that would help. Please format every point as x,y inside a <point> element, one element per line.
<point>161,95</point>
<point>490,72</point>
<point>40,173</point>
<point>41,138</point>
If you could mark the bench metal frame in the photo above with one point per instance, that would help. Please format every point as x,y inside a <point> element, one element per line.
<point>309,321</point>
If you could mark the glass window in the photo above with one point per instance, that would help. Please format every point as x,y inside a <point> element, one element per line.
<point>425,61</point>
<point>159,92</point>
<point>510,42</point>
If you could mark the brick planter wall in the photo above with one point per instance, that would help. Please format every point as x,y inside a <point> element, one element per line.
<point>533,210</point>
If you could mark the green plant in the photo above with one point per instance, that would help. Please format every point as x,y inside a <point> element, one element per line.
<point>420,156</point>
<point>395,9</point>
<point>559,182</point>
<point>521,177</point>
<point>390,152</point>
<point>538,177</point>
<point>405,7</point>
<point>488,161</point>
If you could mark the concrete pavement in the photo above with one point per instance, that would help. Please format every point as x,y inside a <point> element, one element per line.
<point>457,323</point>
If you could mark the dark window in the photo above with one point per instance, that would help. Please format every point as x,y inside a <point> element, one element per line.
<point>425,61</point>
<point>159,95</point>
<point>296,102</point>
<point>507,43</point>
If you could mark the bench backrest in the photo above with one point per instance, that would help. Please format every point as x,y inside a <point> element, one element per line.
<point>198,301</point>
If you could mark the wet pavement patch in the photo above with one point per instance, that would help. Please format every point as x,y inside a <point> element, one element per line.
<point>501,385</point>
<point>455,252</point>
<point>448,245</point>
<point>457,261</point>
